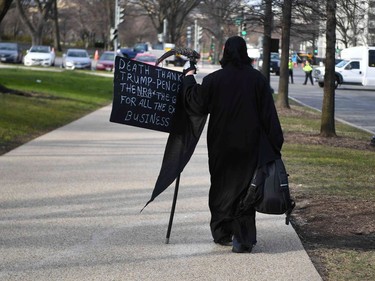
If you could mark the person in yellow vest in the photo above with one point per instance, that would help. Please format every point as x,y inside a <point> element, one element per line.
<point>308,72</point>
<point>290,66</point>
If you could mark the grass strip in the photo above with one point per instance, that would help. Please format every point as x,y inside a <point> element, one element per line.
<point>46,100</point>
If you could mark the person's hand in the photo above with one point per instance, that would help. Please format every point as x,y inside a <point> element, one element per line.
<point>189,68</point>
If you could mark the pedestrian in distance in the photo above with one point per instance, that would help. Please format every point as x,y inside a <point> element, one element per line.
<point>295,59</point>
<point>239,102</point>
<point>308,73</point>
<point>290,67</point>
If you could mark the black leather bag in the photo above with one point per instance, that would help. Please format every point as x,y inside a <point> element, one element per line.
<point>268,191</point>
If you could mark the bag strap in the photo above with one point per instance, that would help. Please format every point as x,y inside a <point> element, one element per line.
<point>283,177</point>
<point>288,213</point>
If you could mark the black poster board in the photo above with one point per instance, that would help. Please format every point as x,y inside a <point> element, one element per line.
<point>144,95</point>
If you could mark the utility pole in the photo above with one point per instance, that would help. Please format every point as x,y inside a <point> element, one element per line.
<point>119,18</point>
<point>165,31</point>
<point>115,28</point>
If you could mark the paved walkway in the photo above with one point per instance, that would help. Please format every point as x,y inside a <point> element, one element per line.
<point>70,210</point>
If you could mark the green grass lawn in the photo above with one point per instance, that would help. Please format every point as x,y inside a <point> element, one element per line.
<point>339,170</point>
<point>57,98</point>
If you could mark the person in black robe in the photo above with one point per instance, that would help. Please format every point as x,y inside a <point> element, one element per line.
<point>239,102</point>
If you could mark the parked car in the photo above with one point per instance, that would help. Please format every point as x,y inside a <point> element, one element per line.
<point>40,55</point>
<point>274,63</point>
<point>146,58</point>
<point>10,52</point>
<point>106,61</point>
<point>76,59</point>
<point>127,53</point>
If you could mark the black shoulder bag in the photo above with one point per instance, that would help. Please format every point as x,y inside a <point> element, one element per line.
<point>268,191</point>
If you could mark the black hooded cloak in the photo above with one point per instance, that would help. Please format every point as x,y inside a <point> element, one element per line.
<point>239,101</point>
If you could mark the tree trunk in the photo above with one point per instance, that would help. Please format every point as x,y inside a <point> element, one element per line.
<point>327,128</point>
<point>282,97</point>
<point>4,7</point>
<point>267,38</point>
<point>56,27</point>
<point>43,13</point>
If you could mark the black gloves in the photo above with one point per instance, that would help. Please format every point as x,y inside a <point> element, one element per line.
<point>189,65</point>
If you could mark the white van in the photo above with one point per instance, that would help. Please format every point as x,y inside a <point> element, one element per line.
<point>357,67</point>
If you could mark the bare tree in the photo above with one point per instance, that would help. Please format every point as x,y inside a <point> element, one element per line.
<point>282,98</point>
<point>34,15</point>
<point>219,21</point>
<point>350,24</point>
<point>174,12</point>
<point>307,17</point>
<point>85,22</point>
<point>11,26</point>
<point>327,128</point>
<point>4,7</point>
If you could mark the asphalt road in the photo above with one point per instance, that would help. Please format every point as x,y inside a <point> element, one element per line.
<point>353,104</point>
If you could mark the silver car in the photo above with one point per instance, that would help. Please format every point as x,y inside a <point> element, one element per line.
<point>76,59</point>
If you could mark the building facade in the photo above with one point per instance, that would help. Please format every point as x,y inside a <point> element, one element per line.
<point>361,28</point>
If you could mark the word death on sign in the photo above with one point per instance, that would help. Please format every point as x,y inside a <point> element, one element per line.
<point>144,95</point>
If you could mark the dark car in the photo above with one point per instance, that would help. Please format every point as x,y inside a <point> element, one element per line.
<point>106,61</point>
<point>10,52</point>
<point>275,63</point>
<point>127,53</point>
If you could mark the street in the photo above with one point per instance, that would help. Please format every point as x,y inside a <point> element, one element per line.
<point>353,104</point>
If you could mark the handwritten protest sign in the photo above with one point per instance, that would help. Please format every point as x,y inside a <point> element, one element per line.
<point>144,95</point>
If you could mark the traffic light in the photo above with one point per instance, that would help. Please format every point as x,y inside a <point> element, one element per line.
<point>113,33</point>
<point>120,15</point>
<point>188,32</point>
<point>199,33</point>
<point>188,36</point>
<point>243,30</point>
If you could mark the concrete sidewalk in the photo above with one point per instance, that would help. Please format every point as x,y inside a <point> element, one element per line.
<point>70,210</point>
